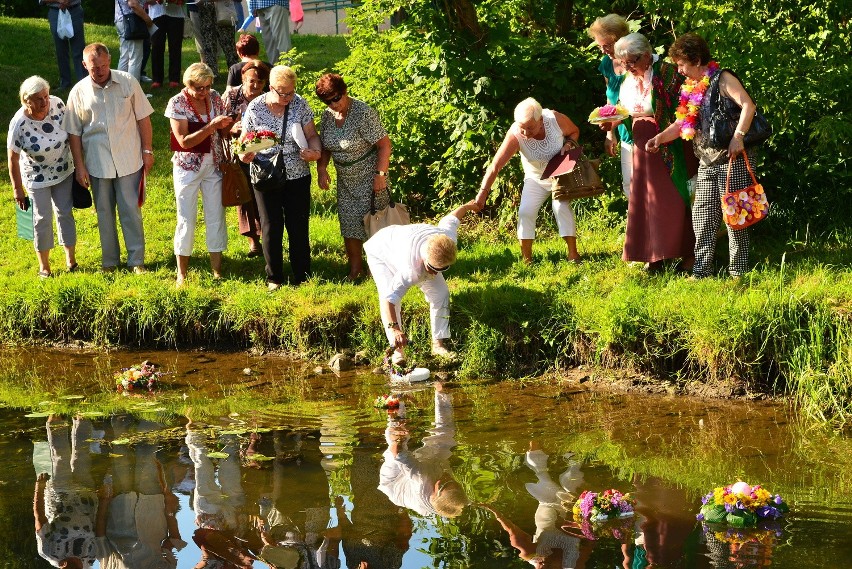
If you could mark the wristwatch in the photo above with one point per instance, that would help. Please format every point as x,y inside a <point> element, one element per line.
<point>393,326</point>
<point>381,173</point>
<point>146,151</point>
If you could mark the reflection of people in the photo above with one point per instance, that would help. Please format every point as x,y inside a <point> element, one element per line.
<point>538,135</point>
<point>658,222</point>
<point>68,515</point>
<point>692,56</point>
<point>401,256</point>
<point>352,134</point>
<point>606,31</point>
<point>108,118</point>
<point>421,480</point>
<point>40,168</point>
<point>668,518</point>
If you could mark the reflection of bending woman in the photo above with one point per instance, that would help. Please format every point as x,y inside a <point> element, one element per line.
<point>421,480</point>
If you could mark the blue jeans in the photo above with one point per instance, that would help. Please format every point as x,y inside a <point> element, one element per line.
<point>66,48</point>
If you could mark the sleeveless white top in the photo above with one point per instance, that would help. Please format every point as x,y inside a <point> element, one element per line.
<point>535,154</point>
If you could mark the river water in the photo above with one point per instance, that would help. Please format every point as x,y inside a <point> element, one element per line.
<point>236,455</point>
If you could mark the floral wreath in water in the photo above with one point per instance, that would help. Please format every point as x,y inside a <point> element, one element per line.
<point>691,95</point>
<point>390,402</point>
<point>138,378</point>
<point>766,536</point>
<point>741,505</point>
<point>600,506</point>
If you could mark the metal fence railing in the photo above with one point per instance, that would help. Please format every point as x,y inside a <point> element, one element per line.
<point>336,6</point>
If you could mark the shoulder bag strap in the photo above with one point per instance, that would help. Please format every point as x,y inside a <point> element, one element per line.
<point>731,166</point>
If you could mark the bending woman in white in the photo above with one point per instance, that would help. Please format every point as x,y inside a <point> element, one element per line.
<point>539,135</point>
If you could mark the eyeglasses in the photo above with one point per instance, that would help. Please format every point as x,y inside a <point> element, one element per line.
<point>283,94</point>
<point>435,269</point>
<point>606,47</point>
<point>332,100</point>
<point>202,87</point>
<point>632,62</point>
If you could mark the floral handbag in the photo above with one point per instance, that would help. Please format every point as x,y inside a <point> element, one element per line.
<point>745,207</point>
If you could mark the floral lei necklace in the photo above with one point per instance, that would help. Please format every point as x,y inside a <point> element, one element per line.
<point>691,95</point>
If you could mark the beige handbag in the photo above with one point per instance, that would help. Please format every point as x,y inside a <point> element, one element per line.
<point>581,182</point>
<point>394,214</point>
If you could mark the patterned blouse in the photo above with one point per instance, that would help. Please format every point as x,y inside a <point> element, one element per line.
<point>359,133</point>
<point>180,107</point>
<point>45,157</point>
<point>258,116</point>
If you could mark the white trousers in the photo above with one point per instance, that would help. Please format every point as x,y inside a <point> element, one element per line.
<point>533,196</point>
<point>434,289</point>
<point>626,167</point>
<point>208,180</point>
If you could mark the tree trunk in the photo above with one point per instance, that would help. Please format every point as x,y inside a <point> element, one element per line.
<point>564,17</point>
<point>461,15</point>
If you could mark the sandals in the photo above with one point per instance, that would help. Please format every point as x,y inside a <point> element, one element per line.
<point>44,274</point>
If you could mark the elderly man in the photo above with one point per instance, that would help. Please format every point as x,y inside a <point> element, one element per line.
<point>109,130</point>
<point>401,256</point>
<point>275,22</point>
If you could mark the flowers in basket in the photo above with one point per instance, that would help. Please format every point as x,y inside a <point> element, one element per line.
<point>608,113</point>
<point>254,141</point>
<point>599,506</point>
<point>141,377</point>
<point>741,505</point>
<point>389,402</point>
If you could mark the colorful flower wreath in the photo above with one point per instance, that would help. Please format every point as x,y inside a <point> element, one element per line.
<point>741,536</point>
<point>607,505</point>
<point>691,94</point>
<point>741,505</point>
<point>141,377</point>
<point>244,144</point>
<point>608,113</point>
<point>389,402</point>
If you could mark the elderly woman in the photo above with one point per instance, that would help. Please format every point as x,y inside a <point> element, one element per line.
<point>288,207</point>
<point>605,31</point>
<point>658,223</point>
<point>692,56</point>
<point>248,48</point>
<point>539,135</point>
<point>41,170</point>
<point>255,77</point>
<point>401,256</point>
<point>353,135</point>
<point>198,121</point>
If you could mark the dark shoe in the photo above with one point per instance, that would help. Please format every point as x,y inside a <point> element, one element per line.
<point>73,268</point>
<point>254,253</point>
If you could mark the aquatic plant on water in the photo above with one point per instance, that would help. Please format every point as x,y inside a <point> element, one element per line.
<point>741,505</point>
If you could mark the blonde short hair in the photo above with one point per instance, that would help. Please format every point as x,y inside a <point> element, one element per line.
<point>282,74</point>
<point>32,86</point>
<point>450,500</point>
<point>197,73</point>
<point>527,109</point>
<point>611,26</point>
<point>440,251</point>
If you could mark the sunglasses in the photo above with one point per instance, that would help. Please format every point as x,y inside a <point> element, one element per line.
<point>332,100</point>
<point>283,94</point>
<point>436,269</point>
<point>202,87</point>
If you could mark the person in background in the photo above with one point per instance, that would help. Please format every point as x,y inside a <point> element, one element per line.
<point>211,33</point>
<point>196,168</point>
<point>658,218</point>
<point>248,48</point>
<point>274,16</point>
<point>605,31</point>
<point>108,121</point>
<point>130,51</point>
<point>354,137</point>
<point>402,256</point>
<point>67,47</point>
<point>169,19</point>
<point>692,55</point>
<point>41,169</point>
<point>255,77</point>
<point>539,135</point>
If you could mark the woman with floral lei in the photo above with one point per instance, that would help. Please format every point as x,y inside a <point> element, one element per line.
<point>658,220</point>
<point>692,56</point>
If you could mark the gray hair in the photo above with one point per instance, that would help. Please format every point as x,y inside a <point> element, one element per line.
<point>632,45</point>
<point>32,86</point>
<point>527,109</point>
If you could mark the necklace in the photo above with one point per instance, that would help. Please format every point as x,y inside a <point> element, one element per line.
<point>642,87</point>
<point>194,111</point>
<point>691,95</point>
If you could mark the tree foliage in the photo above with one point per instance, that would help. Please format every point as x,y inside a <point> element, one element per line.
<point>445,84</point>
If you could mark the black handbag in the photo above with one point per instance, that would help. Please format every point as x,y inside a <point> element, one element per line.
<point>269,174</point>
<point>135,27</point>
<point>80,196</point>
<point>721,122</point>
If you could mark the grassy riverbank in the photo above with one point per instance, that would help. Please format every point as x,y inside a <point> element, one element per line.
<point>783,329</point>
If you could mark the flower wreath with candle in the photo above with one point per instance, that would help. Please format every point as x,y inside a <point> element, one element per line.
<point>741,505</point>
<point>137,378</point>
<point>254,141</point>
<point>600,506</point>
<point>691,94</point>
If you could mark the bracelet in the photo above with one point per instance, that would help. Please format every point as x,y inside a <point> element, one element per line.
<point>382,173</point>
<point>739,132</point>
<point>146,151</point>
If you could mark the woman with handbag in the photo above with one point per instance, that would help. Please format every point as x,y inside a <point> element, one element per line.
<point>354,137</point>
<point>539,135</point>
<point>41,170</point>
<point>255,77</point>
<point>198,121</point>
<point>281,176</point>
<point>658,224</point>
<point>705,89</point>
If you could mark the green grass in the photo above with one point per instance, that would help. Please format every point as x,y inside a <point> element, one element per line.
<point>783,329</point>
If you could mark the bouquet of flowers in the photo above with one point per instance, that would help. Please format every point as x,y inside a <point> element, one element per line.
<point>741,505</point>
<point>608,113</point>
<point>141,377</point>
<point>599,506</point>
<point>254,141</point>
<point>389,402</point>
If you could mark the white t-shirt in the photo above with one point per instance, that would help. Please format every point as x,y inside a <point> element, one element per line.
<point>45,157</point>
